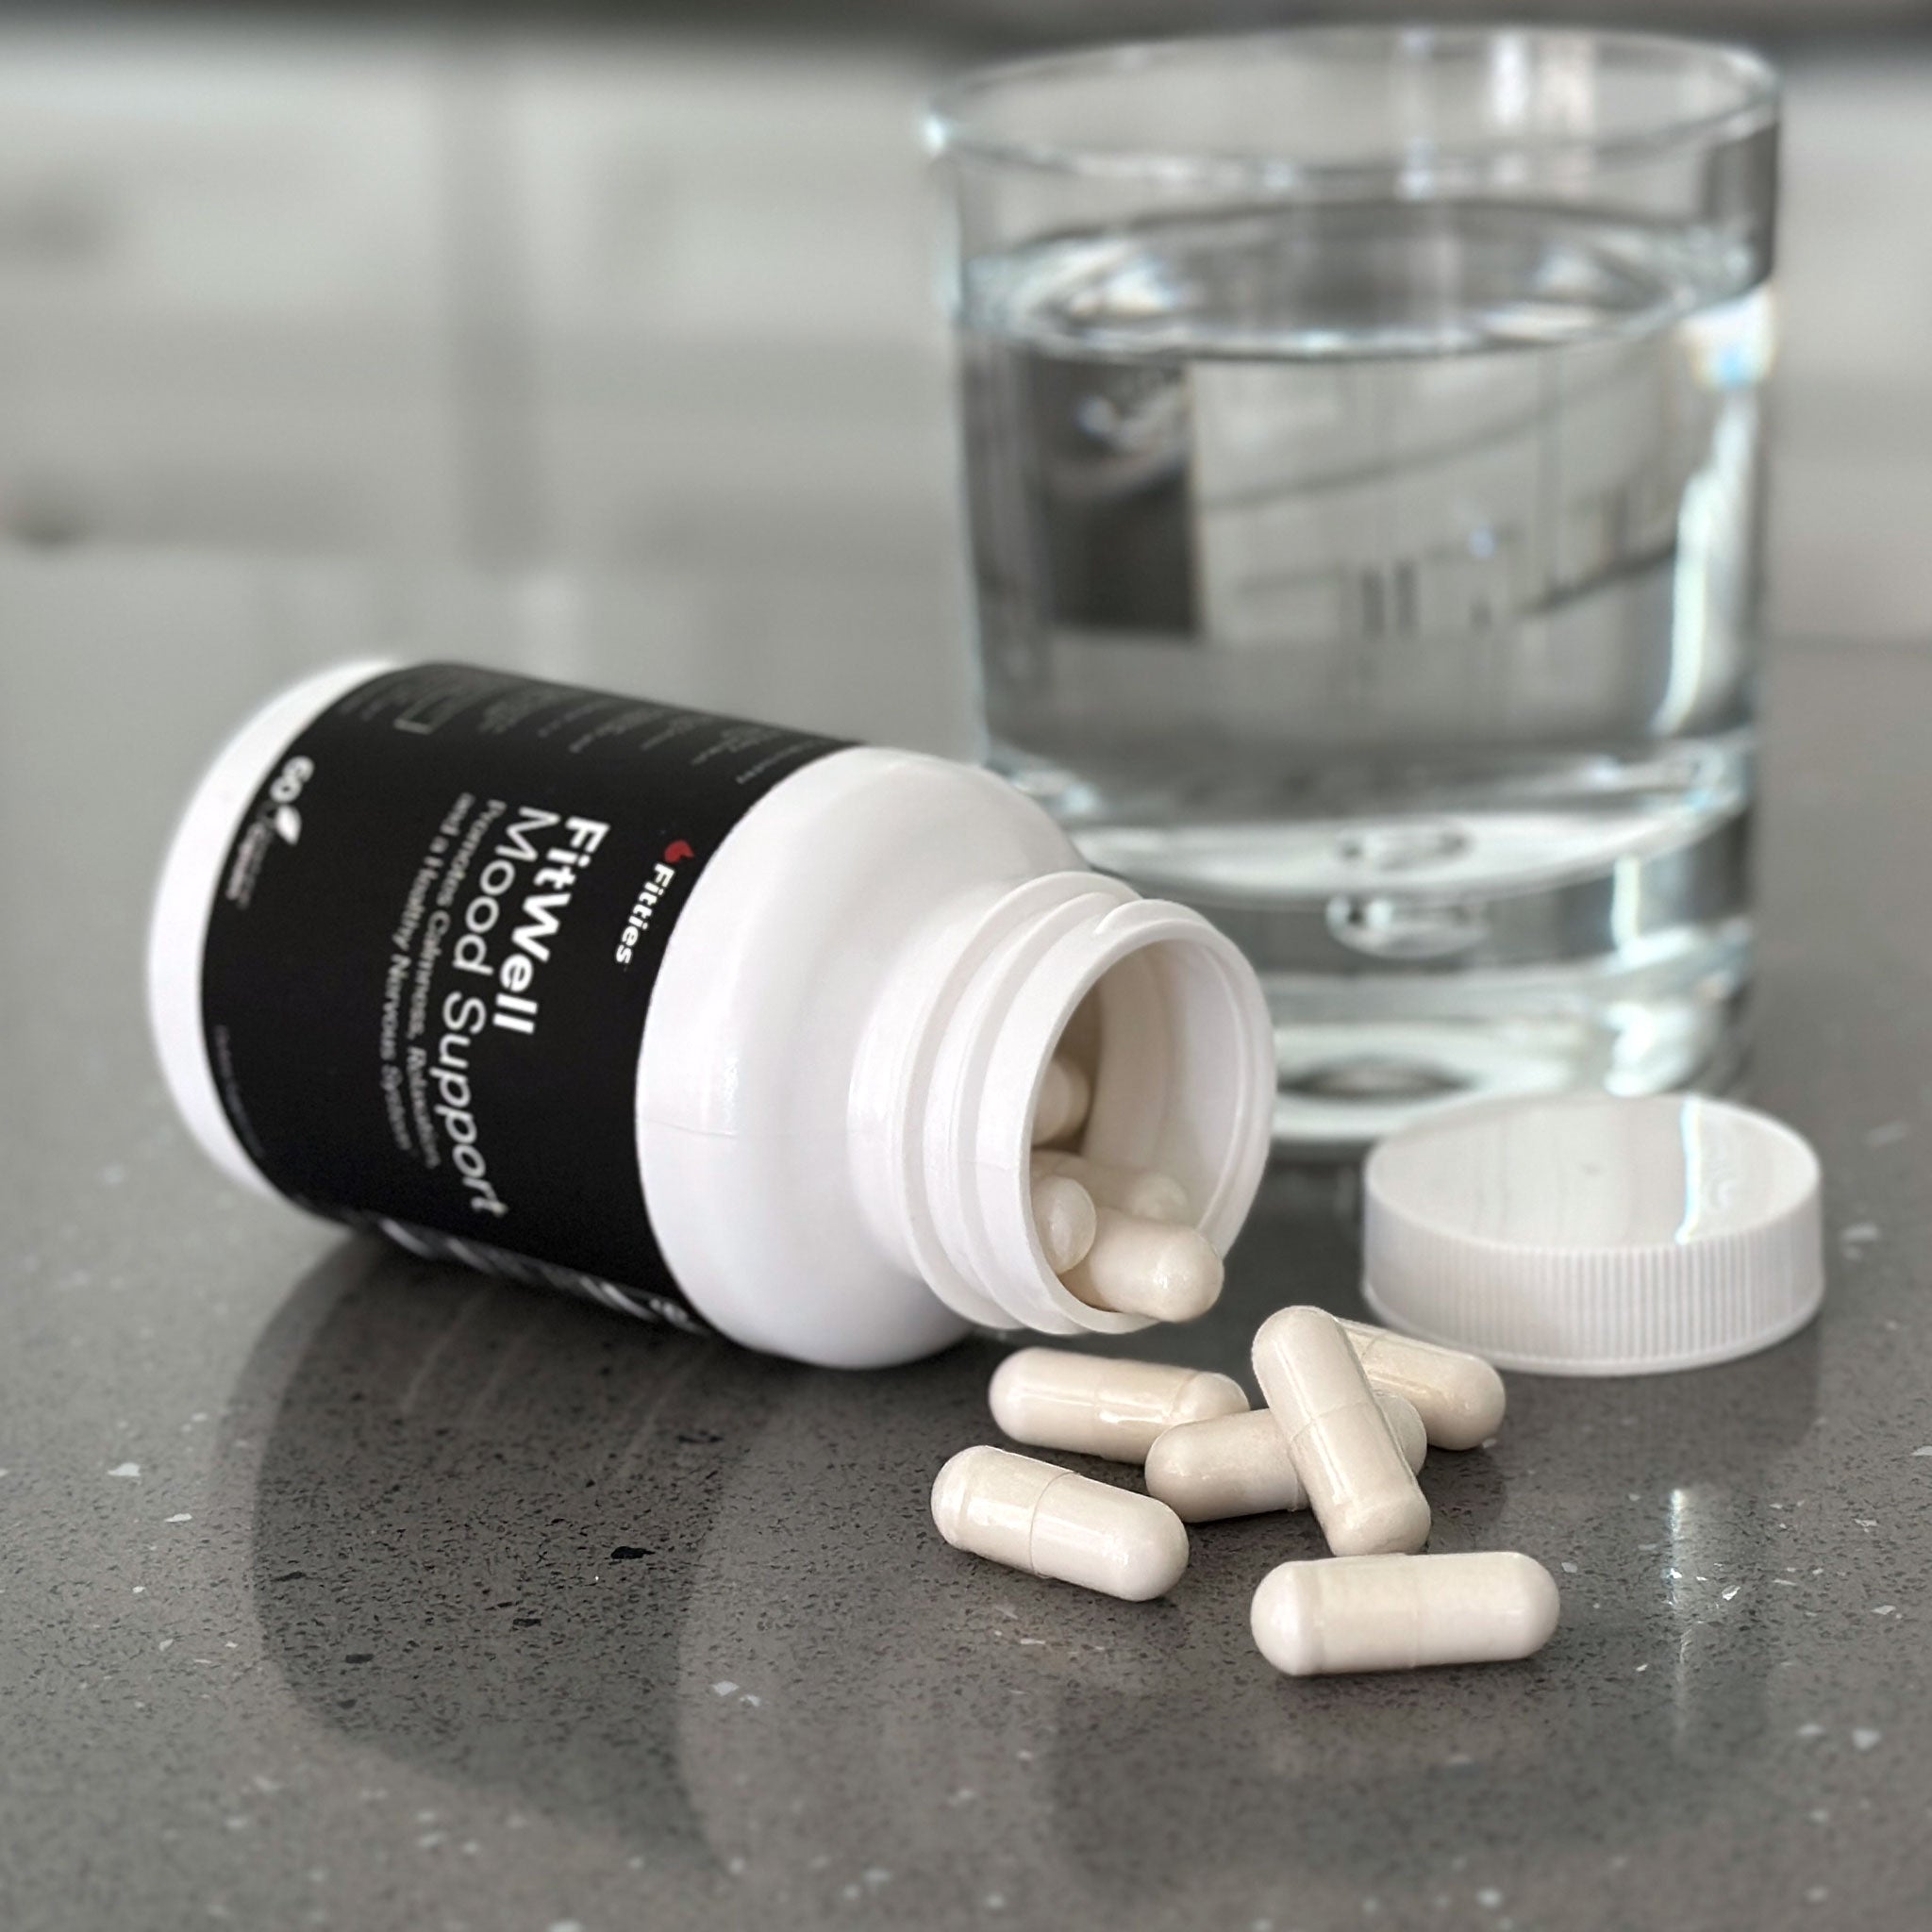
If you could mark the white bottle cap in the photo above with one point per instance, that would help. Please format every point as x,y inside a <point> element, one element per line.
<point>1585,1234</point>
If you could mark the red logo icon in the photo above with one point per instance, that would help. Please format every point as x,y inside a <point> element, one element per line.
<point>676,852</point>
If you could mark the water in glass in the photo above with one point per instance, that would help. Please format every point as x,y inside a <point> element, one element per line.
<point>1378,579</point>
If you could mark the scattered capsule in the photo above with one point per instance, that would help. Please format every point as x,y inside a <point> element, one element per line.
<point>1098,1404</point>
<point>1149,1268</point>
<point>1239,1465</point>
<point>1362,1492</point>
<point>1397,1613</point>
<point>1141,1190</point>
<point>1459,1397</point>
<point>1032,1516</point>
<point>1064,1094</point>
<point>1063,1216</point>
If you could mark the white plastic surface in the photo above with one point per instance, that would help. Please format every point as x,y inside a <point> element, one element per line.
<point>1362,1491</point>
<point>1032,1516</point>
<point>1097,1404</point>
<point>1398,1613</point>
<point>1061,1108</point>
<point>1591,1236</point>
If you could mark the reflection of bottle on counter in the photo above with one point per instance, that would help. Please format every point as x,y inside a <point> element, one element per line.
<point>710,1020</point>
<point>611,1578</point>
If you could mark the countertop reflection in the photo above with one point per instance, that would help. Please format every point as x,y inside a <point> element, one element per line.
<point>690,1596</point>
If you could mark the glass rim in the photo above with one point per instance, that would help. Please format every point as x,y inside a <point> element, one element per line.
<point>950,131</point>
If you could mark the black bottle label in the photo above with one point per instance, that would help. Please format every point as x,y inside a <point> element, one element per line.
<point>431,953</point>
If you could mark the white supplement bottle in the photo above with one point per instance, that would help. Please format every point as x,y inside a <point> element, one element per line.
<point>713,1022</point>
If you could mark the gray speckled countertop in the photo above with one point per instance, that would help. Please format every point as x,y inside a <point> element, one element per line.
<point>338,1589</point>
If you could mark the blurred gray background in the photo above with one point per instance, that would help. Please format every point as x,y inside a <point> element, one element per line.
<point>616,323</point>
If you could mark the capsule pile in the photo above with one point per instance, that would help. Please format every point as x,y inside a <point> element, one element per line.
<point>1350,1413</point>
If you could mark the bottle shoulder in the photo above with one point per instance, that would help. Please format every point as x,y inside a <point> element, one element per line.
<point>777,971</point>
<point>778,959</point>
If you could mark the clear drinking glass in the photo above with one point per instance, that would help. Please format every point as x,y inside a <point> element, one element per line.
<point>1361,433</point>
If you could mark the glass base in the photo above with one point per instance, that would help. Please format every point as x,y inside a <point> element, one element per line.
<point>1359,1057</point>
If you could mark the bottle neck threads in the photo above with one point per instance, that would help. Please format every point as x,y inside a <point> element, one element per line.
<point>1180,1050</point>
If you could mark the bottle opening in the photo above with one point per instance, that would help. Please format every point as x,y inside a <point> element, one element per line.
<point>1164,1016</point>
<point>1158,1034</point>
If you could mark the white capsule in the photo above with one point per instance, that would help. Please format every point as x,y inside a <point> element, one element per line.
<point>1397,1613</point>
<point>1133,1190</point>
<point>1098,1404</point>
<point>1362,1492</point>
<point>1032,1516</point>
<point>1063,1217</point>
<point>1064,1094</point>
<point>1459,1397</point>
<point>1239,1465</point>
<point>1149,1268</point>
